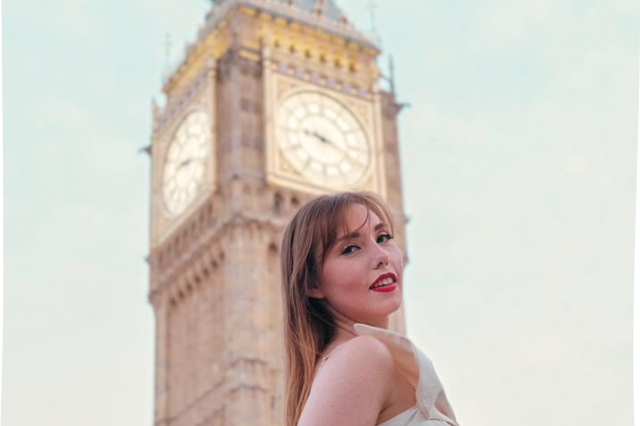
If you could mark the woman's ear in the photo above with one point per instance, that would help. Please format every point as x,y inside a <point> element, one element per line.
<point>315,292</point>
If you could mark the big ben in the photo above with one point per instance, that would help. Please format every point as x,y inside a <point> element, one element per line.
<point>274,103</point>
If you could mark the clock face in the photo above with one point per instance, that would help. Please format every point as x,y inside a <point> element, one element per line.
<point>185,162</point>
<point>322,139</point>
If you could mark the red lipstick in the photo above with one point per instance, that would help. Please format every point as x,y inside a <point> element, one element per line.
<point>384,276</point>
<point>386,288</point>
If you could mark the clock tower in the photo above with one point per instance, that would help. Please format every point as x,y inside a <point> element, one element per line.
<point>275,103</point>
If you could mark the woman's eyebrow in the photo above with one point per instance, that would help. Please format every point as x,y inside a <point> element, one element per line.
<point>356,234</point>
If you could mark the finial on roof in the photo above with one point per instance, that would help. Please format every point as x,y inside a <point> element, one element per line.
<point>319,6</point>
<point>373,5</point>
<point>392,80</point>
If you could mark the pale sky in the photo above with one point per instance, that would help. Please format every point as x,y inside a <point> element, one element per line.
<point>518,158</point>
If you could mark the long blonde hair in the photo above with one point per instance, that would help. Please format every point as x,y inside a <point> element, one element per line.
<point>308,324</point>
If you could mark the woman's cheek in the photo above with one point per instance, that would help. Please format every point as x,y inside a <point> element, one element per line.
<point>398,254</point>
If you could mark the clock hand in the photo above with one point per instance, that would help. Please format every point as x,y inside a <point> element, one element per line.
<point>317,136</point>
<point>337,147</point>
<point>322,138</point>
<point>184,163</point>
<point>309,133</point>
<point>346,155</point>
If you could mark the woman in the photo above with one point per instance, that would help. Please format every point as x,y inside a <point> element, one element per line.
<point>342,278</point>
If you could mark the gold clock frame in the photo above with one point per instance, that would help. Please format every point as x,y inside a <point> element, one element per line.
<point>164,223</point>
<point>166,211</point>
<point>366,110</point>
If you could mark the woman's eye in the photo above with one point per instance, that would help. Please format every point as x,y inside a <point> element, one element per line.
<point>389,237</point>
<point>346,249</point>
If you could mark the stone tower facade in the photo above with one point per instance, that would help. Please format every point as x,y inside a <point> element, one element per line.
<point>276,102</point>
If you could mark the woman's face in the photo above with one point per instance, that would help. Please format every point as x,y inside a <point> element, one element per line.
<point>351,267</point>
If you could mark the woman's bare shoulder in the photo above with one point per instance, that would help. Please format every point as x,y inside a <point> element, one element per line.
<point>353,386</point>
<point>359,346</point>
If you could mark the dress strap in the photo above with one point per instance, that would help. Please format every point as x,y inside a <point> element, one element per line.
<point>419,371</point>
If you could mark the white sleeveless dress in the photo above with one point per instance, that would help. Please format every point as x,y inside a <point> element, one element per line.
<point>432,407</point>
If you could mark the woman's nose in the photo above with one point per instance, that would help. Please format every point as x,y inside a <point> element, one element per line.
<point>381,257</point>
